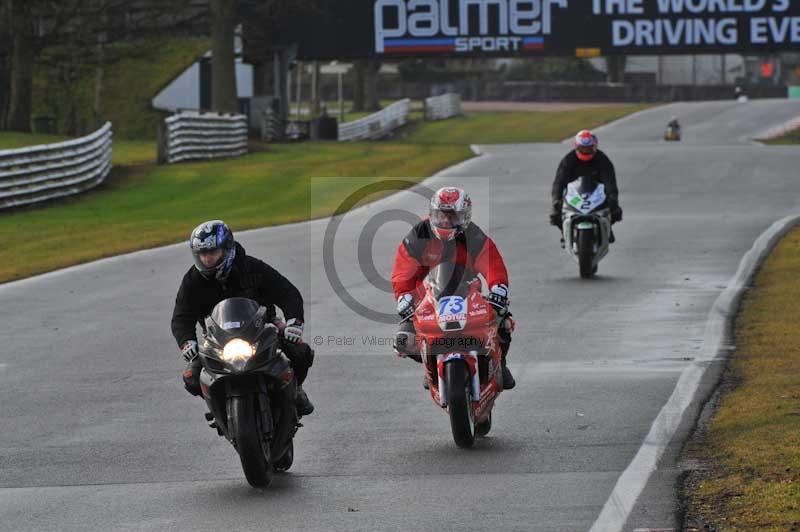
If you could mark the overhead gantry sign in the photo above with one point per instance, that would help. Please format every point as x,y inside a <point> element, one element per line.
<point>348,29</point>
<point>447,26</point>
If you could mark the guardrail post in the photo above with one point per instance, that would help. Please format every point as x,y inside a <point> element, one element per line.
<point>162,144</point>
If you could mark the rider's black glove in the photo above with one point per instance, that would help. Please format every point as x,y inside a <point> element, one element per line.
<point>498,298</point>
<point>405,306</point>
<point>555,219</point>
<point>616,214</point>
<point>189,350</point>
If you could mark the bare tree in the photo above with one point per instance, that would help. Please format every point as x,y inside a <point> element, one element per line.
<point>615,65</point>
<point>5,58</point>
<point>22,51</point>
<point>264,24</point>
<point>224,19</point>
<point>78,32</point>
<point>372,69</point>
<point>359,76</point>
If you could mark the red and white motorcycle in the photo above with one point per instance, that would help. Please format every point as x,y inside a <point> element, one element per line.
<point>457,336</point>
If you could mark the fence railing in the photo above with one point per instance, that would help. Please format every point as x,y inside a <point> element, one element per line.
<point>378,124</point>
<point>39,173</point>
<point>190,135</point>
<point>444,106</point>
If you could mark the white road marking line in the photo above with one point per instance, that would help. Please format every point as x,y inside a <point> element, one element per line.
<point>632,481</point>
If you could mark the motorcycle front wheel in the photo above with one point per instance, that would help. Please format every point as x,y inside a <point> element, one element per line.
<point>252,448</point>
<point>586,253</point>
<point>459,403</point>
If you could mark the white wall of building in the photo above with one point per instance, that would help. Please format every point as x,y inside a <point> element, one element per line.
<point>184,91</point>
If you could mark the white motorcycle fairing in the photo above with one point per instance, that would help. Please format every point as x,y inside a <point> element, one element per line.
<point>581,212</point>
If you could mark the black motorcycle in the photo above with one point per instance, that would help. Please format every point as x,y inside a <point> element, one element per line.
<point>249,387</point>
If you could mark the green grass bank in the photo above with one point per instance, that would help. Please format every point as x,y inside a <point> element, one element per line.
<point>142,205</point>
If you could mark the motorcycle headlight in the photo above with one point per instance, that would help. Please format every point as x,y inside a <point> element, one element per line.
<point>237,351</point>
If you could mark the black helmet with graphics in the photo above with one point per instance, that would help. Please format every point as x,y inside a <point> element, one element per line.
<point>207,238</point>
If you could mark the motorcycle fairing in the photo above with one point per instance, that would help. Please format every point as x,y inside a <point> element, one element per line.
<point>584,198</point>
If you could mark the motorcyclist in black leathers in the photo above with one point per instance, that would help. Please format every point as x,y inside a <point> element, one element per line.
<point>585,160</point>
<point>222,270</point>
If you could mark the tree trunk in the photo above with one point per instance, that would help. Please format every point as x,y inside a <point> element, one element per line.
<point>224,16</point>
<point>19,106</point>
<point>5,59</point>
<point>615,64</point>
<point>99,75</point>
<point>359,68</point>
<point>373,101</point>
<point>315,90</point>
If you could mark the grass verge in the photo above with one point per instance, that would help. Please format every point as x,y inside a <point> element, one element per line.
<point>142,205</point>
<point>124,152</point>
<point>792,137</point>
<point>751,444</point>
<point>514,127</point>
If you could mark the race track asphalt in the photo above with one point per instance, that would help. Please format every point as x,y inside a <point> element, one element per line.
<point>98,433</point>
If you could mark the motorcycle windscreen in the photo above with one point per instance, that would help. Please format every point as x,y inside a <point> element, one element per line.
<point>585,186</point>
<point>239,317</point>
<point>449,279</point>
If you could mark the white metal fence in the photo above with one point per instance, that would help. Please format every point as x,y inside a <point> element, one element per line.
<point>191,135</point>
<point>444,106</point>
<point>378,124</point>
<point>39,173</point>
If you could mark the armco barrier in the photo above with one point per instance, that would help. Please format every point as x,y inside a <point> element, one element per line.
<point>190,135</point>
<point>378,124</point>
<point>442,107</point>
<point>39,173</point>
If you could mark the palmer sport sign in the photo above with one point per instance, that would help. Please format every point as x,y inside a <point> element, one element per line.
<point>402,28</point>
<point>422,26</point>
<point>565,26</point>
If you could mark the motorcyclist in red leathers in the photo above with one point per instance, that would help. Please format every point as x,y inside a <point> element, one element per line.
<point>449,235</point>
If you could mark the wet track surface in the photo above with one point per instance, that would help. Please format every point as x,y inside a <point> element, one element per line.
<point>98,433</point>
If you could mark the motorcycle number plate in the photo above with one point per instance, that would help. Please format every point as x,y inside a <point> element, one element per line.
<point>452,308</point>
<point>452,313</point>
<point>585,225</point>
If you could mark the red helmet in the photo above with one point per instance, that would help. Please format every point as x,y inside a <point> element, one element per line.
<point>585,145</point>
<point>451,212</point>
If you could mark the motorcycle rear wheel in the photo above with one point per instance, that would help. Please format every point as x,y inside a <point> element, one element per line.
<point>252,448</point>
<point>459,403</point>
<point>586,253</point>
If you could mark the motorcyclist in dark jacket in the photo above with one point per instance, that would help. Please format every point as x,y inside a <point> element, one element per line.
<point>585,160</point>
<point>222,270</point>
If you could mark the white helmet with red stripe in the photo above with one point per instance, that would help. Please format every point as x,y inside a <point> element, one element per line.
<point>585,145</point>
<point>451,212</point>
